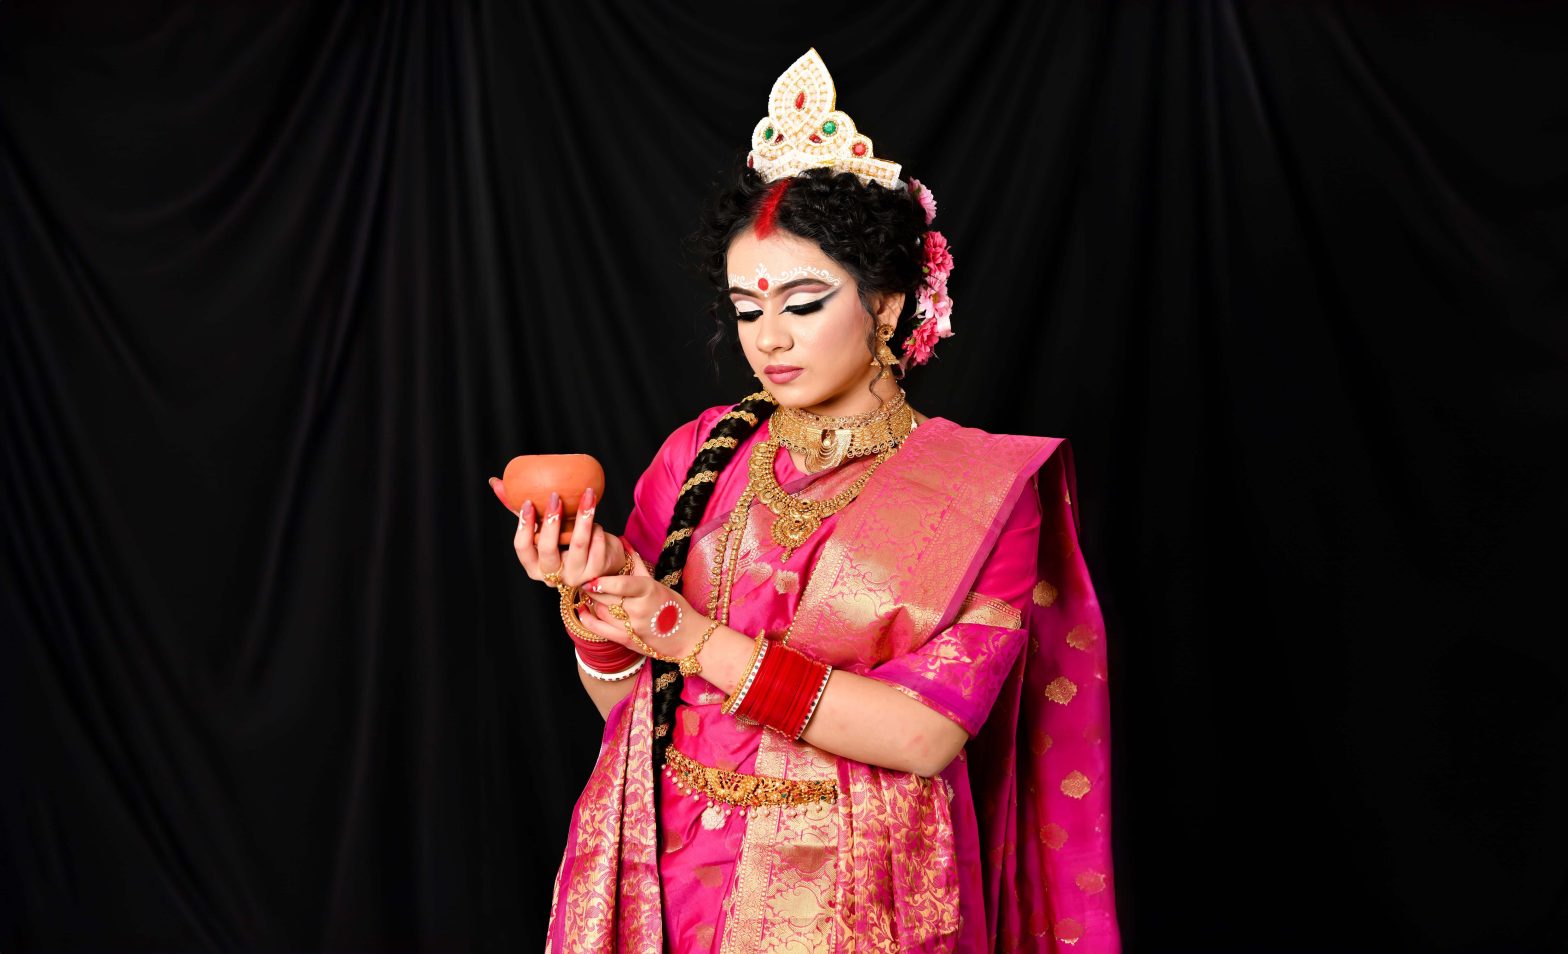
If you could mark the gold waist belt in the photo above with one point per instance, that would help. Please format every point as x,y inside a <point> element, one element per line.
<point>740,791</point>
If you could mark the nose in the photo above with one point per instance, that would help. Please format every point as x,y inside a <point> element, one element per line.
<point>772,332</point>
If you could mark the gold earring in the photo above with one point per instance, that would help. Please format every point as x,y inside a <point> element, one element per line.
<point>885,354</point>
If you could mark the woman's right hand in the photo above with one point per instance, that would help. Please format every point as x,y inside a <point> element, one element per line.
<point>592,553</point>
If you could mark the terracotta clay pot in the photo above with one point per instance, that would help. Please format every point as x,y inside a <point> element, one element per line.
<point>533,476</point>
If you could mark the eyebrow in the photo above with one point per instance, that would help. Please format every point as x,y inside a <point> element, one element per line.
<point>732,290</point>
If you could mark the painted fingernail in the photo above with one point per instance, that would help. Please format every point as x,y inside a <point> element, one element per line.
<point>555,502</point>
<point>526,512</point>
<point>586,503</point>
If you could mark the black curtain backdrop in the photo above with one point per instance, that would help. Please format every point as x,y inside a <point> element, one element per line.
<point>283,283</point>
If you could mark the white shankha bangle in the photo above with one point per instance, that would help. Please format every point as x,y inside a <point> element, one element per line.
<point>812,711</point>
<point>610,676</point>
<point>751,675</point>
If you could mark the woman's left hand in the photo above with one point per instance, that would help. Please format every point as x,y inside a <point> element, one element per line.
<point>642,598</point>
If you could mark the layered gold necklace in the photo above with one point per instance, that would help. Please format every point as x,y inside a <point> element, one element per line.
<point>881,432</point>
<point>825,442</point>
<point>797,518</point>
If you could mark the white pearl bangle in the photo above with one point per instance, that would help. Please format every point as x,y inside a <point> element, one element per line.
<point>610,676</point>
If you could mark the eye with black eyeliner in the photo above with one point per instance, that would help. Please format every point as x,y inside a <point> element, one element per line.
<point>807,308</point>
<point>810,306</point>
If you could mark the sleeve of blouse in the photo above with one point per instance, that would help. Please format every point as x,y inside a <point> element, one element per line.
<point>653,498</point>
<point>959,671</point>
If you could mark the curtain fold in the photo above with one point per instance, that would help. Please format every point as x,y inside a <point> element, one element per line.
<point>282,284</point>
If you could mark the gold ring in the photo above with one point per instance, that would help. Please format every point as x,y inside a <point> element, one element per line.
<point>619,612</point>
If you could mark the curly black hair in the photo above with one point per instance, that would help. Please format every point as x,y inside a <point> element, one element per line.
<point>875,234</point>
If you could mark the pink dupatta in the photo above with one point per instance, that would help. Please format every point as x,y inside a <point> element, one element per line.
<point>890,597</point>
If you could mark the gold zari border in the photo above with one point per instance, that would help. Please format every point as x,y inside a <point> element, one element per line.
<point>989,611</point>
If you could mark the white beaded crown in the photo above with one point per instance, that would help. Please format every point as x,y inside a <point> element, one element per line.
<point>803,131</point>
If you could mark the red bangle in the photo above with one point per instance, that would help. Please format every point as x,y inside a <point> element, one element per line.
<point>785,691</point>
<point>767,694</point>
<point>789,694</point>
<point>804,689</point>
<point>606,656</point>
<point>815,699</point>
<point>763,685</point>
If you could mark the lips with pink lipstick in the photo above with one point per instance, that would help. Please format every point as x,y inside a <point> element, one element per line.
<point>782,373</point>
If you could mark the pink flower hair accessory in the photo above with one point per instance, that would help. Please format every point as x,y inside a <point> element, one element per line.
<point>933,306</point>
<point>924,197</point>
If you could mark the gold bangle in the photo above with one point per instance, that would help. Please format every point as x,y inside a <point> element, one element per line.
<point>628,565</point>
<point>569,618</point>
<point>734,699</point>
<point>688,663</point>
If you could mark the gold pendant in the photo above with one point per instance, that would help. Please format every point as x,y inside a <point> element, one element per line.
<point>713,818</point>
<point>792,528</point>
<point>831,451</point>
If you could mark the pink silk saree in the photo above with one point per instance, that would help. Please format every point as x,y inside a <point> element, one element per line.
<point>956,578</point>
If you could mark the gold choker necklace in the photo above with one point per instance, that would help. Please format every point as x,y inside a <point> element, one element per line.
<point>825,442</point>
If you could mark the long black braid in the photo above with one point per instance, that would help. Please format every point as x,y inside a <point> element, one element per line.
<point>731,430</point>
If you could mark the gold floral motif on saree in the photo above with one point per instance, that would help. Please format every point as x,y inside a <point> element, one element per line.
<point>610,901</point>
<point>786,879</point>
<point>898,879</point>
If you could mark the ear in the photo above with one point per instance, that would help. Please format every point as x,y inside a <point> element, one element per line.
<point>888,307</point>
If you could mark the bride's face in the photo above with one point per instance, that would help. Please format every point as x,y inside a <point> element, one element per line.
<point>801,323</point>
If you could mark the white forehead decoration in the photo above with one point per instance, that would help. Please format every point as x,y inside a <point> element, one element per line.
<point>764,281</point>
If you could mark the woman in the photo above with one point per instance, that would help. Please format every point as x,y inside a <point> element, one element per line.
<point>877,715</point>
